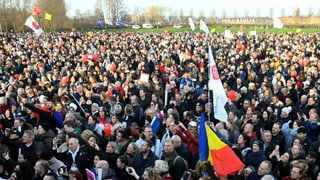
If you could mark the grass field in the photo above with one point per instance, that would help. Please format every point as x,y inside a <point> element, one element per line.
<point>220,29</point>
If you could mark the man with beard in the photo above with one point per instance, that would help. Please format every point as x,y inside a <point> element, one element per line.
<point>177,165</point>
<point>145,158</point>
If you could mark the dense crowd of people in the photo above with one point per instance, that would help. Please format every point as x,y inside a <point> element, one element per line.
<point>128,105</point>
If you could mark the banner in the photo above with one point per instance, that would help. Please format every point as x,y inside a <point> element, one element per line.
<point>32,23</point>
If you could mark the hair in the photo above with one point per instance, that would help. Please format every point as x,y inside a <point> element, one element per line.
<point>53,176</point>
<point>114,146</point>
<point>44,163</point>
<point>77,173</point>
<point>150,143</point>
<point>300,164</point>
<point>30,133</point>
<point>70,124</point>
<point>26,170</point>
<point>135,147</point>
<point>104,164</point>
<point>269,164</point>
<point>128,109</point>
<point>123,159</point>
<point>163,165</point>
<point>152,174</point>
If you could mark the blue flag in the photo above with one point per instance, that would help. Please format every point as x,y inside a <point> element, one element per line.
<point>119,22</point>
<point>100,23</point>
<point>203,143</point>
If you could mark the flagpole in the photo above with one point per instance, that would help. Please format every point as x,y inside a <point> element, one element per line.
<point>209,66</point>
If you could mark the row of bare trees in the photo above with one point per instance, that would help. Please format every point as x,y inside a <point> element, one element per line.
<point>13,14</point>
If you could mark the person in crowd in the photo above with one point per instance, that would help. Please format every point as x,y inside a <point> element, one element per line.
<point>298,171</point>
<point>41,168</point>
<point>255,157</point>
<point>145,158</point>
<point>112,153</point>
<point>177,165</point>
<point>162,168</point>
<point>107,172</point>
<point>264,169</point>
<point>122,169</point>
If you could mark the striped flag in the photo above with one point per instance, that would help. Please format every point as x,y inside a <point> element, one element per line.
<point>119,22</point>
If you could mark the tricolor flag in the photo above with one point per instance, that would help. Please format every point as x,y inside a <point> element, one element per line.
<point>192,26</point>
<point>32,23</point>
<point>48,16</point>
<point>219,95</point>
<point>204,27</point>
<point>220,155</point>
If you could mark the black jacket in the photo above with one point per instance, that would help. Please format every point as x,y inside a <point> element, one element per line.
<point>140,164</point>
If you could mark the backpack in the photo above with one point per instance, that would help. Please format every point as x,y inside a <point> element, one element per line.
<point>186,165</point>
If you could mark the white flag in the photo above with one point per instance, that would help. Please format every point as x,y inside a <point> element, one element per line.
<point>32,23</point>
<point>107,21</point>
<point>192,26</point>
<point>277,23</point>
<point>219,95</point>
<point>204,27</point>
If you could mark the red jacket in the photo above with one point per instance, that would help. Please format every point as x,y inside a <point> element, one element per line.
<point>191,141</point>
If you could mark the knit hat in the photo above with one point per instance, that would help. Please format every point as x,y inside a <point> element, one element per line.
<point>95,105</point>
<point>287,109</point>
<point>259,143</point>
<point>73,106</point>
<point>45,126</point>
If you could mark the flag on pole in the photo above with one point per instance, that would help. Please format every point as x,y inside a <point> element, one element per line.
<point>192,26</point>
<point>220,155</point>
<point>203,143</point>
<point>219,95</point>
<point>107,21</point>
<point>204,27</point>
<point>32,23</point>
<point>100,23</point>
<point>119,22</point>
<point>48,16</point>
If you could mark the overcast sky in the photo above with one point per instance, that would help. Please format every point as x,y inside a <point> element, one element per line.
<point>241,7</point>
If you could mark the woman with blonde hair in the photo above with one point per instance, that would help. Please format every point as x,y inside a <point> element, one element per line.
<point>132,150</point>
<point>112,153</point>
<point>162,168</point>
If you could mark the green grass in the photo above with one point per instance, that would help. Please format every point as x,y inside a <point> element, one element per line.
<point>221,29</point>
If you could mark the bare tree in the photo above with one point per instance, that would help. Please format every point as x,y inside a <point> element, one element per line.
<point>57,9</point>
<point>271,12</point>
<point>213,13</point>
<point>235,13</point>
<point>283,12</point>
<point>112,8</point>
<point>191,13</point>
<point>224,14</point>
<point>154,14</point>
